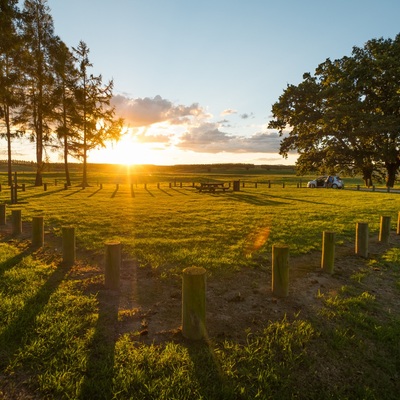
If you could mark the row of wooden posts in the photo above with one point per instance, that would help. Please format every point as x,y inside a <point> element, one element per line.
<point>194,278</point>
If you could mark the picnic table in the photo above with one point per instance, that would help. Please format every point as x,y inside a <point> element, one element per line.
<point>212,187</point>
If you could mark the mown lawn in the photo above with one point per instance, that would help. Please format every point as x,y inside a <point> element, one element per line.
<point>58,339</point>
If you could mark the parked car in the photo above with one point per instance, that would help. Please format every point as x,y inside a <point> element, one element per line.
<point>330,181</point>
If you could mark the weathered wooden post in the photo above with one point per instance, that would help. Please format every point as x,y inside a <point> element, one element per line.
<point>236,186</point>
<point>362,239</point>
<point>280,270</point>
<point>45,187</point>
<point>384,229</point>
<point>269,184</point>
<point>16,220</point>
<point>158,185</point>
<point>358,187</point>
<point>101,186</point>
<point>194,303</point>
<point>170,185</point>
<point>68,244</point>
<point>398,223</point>
<point>3,214</point>
<point>180,185</point>
<point>37,231</point>
<point>328,251</point>
<point>283,185</point>
<point>23,187</point>
<point>113,265</point>
<point>65,186</point>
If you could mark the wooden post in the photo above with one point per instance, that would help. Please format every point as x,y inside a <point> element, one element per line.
<point>280,270</point>
<point>384,230</point>
<point>158,185</point>
<point>269,184</point>
<point>45,187</point>
<point>398,224</point>
<point>358,187</point>
<point>3,214</point>
<point>23,187</point>
<point>101,186</point>
<point>362,238</point>
<point>180,185</point>
<point>65,186</point>
<point>68,244</point>
<point>37,231</point>
<point>283,185</point>
<point>328,251</point>
<point>194,303</point>
<point>16,222</point>
<point>113,264</point>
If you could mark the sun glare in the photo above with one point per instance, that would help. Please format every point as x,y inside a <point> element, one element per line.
<point>127,151</point>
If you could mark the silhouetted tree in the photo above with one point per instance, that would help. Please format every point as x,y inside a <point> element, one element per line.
<point>95,115</point>
<point>10,73</point>
<point>36,111</point>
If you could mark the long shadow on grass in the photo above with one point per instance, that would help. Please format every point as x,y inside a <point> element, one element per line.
<point>74,192</point>
<point>20,330</point>
<point>164,191</point>
<point>42,194</point>
<point>297,199</point>
<point>148,191</point>
<point>98,190</point>
<point>255,199</point>
<point>100,365</point>
<point>179,191</point>
<point>13,261</point>
<point>213,385</point>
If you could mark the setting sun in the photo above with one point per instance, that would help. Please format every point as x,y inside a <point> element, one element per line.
<point>126,151</point>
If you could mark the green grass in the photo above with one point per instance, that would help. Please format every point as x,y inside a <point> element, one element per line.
<point>58,327</point>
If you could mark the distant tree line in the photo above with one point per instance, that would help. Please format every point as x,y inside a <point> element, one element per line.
<point>47,92</point>
<point>346,117</point>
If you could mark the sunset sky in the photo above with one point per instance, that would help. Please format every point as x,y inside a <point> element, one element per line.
<point>195,80</point>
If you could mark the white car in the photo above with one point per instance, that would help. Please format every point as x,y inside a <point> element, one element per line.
<point>327,181</point>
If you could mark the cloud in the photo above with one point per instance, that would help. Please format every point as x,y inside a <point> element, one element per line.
<point>246,115</point>
<point>228,111</point>
<point>146,111</point>
<point>208,138</point>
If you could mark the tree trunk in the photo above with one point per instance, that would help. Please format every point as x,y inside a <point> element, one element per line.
<point>67,177</point>
<point>9,155</point>
<point>391,169</point>
<point>367,176</point>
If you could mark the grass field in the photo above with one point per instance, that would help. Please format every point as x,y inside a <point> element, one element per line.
<point>60,330</point>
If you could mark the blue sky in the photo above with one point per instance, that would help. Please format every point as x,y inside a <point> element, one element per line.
<point>195,80</point>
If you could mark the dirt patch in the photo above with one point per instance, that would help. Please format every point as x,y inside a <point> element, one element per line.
<point>148,308</point>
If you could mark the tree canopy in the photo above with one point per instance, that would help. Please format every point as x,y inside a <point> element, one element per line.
<point>46,91</point>
<point>346,116</point>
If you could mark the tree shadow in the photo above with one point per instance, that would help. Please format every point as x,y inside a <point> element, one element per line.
<point>25,321</point>
<point>42,194</point>
<point>97,383</point>
<point>179,191</point>
<point>254,199</point>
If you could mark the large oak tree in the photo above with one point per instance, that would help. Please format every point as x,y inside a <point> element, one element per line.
<point>347,115</point>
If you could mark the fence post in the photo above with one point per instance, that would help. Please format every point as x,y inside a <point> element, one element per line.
<point>37,231</point>
<point>68,244</point>
<point>384,229</point>
<point>362,238</point>
<point>194,303</point>
<point>45,187</point>
<point>16,221</point>
<point>113,264</point>
<point>328,251</point>
<point>280,270</point>
<point>3,214</point>
<point>398,223</point>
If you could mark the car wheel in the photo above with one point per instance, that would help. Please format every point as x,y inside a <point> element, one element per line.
<point>334,186</point>
<point>312,186</point>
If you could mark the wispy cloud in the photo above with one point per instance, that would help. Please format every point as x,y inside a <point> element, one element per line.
<point>228,111</point>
